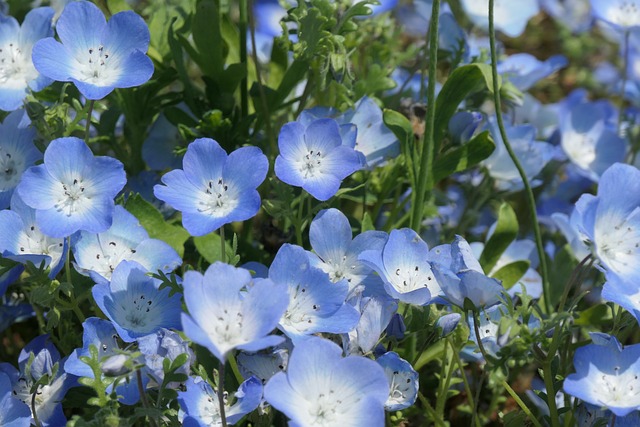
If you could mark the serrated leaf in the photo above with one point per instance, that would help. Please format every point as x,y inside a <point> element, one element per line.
<point>464,157</point>
<point>153,221</point>
<point>511,273</point>
<point>505,232</point>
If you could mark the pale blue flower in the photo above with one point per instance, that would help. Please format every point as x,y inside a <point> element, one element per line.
<point>72,190</point>
<point>620,14</point>
<point>228,309</point>
<point>15,413</point>
<point>321,388</point>
<point>510,16</point>
<point>524,70</point>
<point>97,56</point>
<point>403,381</point>
<point>17,74</point>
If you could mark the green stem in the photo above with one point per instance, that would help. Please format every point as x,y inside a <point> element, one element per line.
<point>36,421</point>
<point>521,404</point>
<point>299,217</point>
<point>425,178</point>
<point>223,248</point>
<point>143,397</point>
<point>220,393</point>
<point>476,329</point>
<point>467,387</point>
<point>242,27</point>
<point>531,202</point>
<point>88,124</point>
<point>551,393</point>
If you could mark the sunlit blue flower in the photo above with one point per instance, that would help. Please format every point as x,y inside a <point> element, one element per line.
<point>17,153</point>
<point>321,388</point>
<point>337,254</point>
<point>403,381</point>
<point>97,255</point>
<point>621,14</point>
<point>576,14</point>
<point>48,396</point>
<point>72,190</point>
<point>524,70</point>
<point>199,403</point>
<point>510,17</point>
<point>21,239</point>
<point>228,310</point>
<point>214,188</point>
<point>135,305</point>
<point>314,157</point>
<point>315,303</point>
<point>607,376</point>
<point>17,73</point>
<point>15,413</point>
<point>95,55</point>
<point>463,279</point>
<point>404,268</point>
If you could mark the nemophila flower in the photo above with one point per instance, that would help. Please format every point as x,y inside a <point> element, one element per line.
<point>404,267</point>
<point>607,375</point>
<point>621,14</point>
<point>611,222</point>
<point>575,14</point>
<point>200,408</point>
<point>72,190</point>
<point>463,125</point>
<point>570,227</point>
<point>268,14</point>
<point>461,277</point>
<point>102,334</point>
<point>228,310</point>
<point>314,157</point>
<point>510,17</point>
<point>524,70</point>
<point>21,239</point>
<point>97,255</point>
<point>447,323</point>
<point>15,413</point>
<point>14,309</point>
<point>48,397</point>
<point>17,153</point>
<point>263,365</point>
<point>17,73</point>
<point>533,156</point>
<point>214,188</point>
<point>403,381</point>
<point>135,305</point>
<point>315,303</point>
<point>337,254</point>
<point>161,346</point>
<point>322,388</point>
<point>588,136</point>
<point>489,332</point>
<point>96,55</point>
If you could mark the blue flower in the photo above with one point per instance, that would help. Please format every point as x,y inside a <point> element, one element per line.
<point>376,309</point>
<point>17,73</point>
<point>524,70</point>
<point>511,17</point>
<point>403,381</point>
<point>97,255</point>
<point>337,254</point>
<point>21,239</point>
<point>17,153</point>
<point>315,304</point>
<point>321,388</point>
<point>461,277</point>
<point>621,14</point>
<point>607,376</point>
<point>135,305</point>
<point>314,157</point>
<point>161,346</point>
<point>214,188</point>
<point>200,406</point>
<point>228,310</point>
<point>576,14</point>
<point>101,334</point>
<point>95,55</point>
<point>15,413</point>
<point>404,267</point>
<point>72,190</point>
<point>263,365</point>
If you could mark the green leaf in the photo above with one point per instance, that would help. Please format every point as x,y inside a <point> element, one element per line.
<point>594,316</point>
<point>505,233</point>
<point>207,37</point>
<point>367,223</point>
<point>398,124</point>
<point>209,247</point>
<point>462,82</point>
<point>464,157</point>
<point>511,273</point>
<point>153,221</point>
<point>560,271</point>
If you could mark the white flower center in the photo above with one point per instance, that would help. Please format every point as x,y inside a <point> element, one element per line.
<point>16,68</point>
<point>619,389</point>
<point>400,386</point>
<point>580,147</point>
<point>71,196</point>
<point>32,241</point>
<point>11,168</point>
<point>137,313</point>
<point>311,164</point>
<point>218,199</point>
<point>409,279</point>
<point>627,14</point>
<point>210,410</point>
<point>619,246</point>
<point>109,255</point>
<point>300,312</point>
<point>97,67</point>
<point>329,408</point>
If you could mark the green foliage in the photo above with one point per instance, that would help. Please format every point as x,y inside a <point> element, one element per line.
<point>505,232</point>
